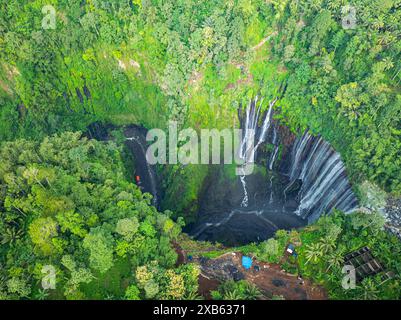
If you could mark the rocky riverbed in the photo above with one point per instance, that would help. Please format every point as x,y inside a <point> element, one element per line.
<point>392,213</point>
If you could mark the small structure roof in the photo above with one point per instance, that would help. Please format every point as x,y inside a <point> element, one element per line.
<point>364,263</point>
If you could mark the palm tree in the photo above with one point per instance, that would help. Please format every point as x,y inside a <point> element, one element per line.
<point>334,5</point>
<point>386,38</point>
<point>192,295</point>
<point>378,23</point>
<point>41,294</point>
<point>252,292</point>
<point>109,296</point>
<point>388,63</point>
<point>314,252</point>
<point>10,235</point>
<point>327,245</point>
<point>335,259</point>
<point>369,289</point>
<point>232,295</point>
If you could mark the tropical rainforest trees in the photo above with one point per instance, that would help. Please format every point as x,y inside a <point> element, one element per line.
<point>127,61</point>
<point>324,245</point>
<point>321,248</point>
<point>344,82</point>
<point>65,203</point>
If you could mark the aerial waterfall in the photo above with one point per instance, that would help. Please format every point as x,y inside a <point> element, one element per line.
<point>324,181</point>
<point>307,180</point>
<point>248,148</point>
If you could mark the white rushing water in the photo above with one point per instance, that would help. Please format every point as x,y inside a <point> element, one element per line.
<point>244,202</point>
<point>325,184</point>
<point>271,190</point>
<point>248,148</point>
<point>274,154</point>
<point>273,158</point>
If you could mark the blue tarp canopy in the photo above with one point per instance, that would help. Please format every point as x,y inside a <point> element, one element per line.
<point>291,250</point>
<point>246,262</point>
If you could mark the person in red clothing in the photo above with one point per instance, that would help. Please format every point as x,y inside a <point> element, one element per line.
<point>138,180</point>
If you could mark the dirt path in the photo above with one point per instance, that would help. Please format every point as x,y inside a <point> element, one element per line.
<point>181,259</point>
<point>249,77</point>
<point>264,40</point>
<point>270,279</point>
<point>206,286</point>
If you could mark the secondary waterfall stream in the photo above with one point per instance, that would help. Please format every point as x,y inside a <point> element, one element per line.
<point>276,148</point>
<point>148,180</point>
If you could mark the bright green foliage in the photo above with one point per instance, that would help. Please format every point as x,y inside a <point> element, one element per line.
<point>324,245</point>
<point>65,200</point>
<point>67,204</point>
<point>345,83</point>
<point>120,62</point>
<point>127,228</point>
<point>177,284</point>
<point>240,290</point>
<point>272,250</point>
<point>18,286</point>
<point>100,246</point>
<point>42,231</point>
<point>132,293</point>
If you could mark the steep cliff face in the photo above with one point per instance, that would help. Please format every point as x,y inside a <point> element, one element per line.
<point>392,213</point>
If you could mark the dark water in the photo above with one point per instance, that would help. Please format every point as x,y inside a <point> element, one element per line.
<point>223,219</point>
<point>246,226</point>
